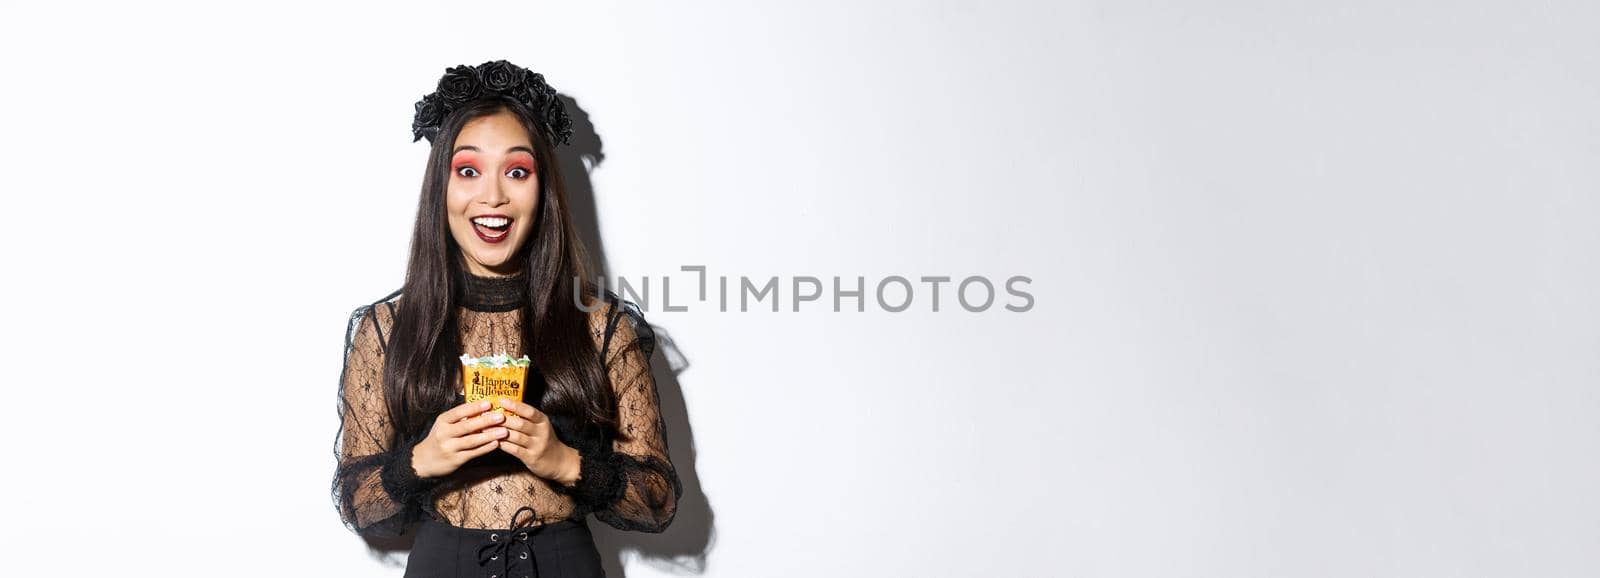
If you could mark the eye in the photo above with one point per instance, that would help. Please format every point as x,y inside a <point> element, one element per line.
<point>517,173</point>
<point>465,170</point>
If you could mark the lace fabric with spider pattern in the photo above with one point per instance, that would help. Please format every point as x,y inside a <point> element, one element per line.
<point>629,484</point>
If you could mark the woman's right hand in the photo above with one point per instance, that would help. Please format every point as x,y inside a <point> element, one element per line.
<point>456,438</point>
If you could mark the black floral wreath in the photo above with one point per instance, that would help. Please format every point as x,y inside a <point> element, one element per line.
<point>463,84</point>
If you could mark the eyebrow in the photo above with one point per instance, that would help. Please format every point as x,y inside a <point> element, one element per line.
<point>475,149</point>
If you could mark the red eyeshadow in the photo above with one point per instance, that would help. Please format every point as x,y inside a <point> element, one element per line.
<point>523,161</point>
<point>461,160</point>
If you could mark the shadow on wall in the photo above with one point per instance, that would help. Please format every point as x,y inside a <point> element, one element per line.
<point>684,545</point>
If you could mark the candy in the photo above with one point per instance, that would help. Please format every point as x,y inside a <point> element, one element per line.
<point>493,377</point>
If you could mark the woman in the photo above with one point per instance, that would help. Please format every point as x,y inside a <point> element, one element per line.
<point>496,267</point>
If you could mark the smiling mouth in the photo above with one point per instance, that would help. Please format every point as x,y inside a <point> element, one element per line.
<point>491,229</point>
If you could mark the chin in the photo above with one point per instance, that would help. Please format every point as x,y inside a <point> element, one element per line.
<point>496,259</point>
<point>493,263</point>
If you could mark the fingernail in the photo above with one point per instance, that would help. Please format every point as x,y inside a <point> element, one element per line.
<point>483,405</point>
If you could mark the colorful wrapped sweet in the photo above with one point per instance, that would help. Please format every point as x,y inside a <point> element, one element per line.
<point>493,377</point>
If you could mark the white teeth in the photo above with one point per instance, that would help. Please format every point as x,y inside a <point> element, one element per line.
<point>492,221</point>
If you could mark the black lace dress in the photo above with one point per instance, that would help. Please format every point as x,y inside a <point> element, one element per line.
<point>629,484</point>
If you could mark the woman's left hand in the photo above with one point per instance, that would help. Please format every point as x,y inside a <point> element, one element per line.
<point>532,439</point>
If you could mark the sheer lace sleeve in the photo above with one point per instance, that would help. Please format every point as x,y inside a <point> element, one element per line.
<point>632,485</point>
<point>375,488</point>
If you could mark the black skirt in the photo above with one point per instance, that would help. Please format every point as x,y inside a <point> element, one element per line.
<point>562,549</point>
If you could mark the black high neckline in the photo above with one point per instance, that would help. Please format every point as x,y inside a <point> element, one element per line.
<point>493,294</point>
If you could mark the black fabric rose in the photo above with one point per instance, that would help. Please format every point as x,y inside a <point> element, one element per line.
<point>460,84</point>
<point>534,89</point>
<point>429,111</point>
<point>521,94</point>
<point>500,76</point>
<point>556,118</point>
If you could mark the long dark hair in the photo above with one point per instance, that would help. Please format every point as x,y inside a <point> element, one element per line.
<point>419,373</point>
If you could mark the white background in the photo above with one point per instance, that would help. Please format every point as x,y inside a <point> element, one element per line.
<point>1314,281</point>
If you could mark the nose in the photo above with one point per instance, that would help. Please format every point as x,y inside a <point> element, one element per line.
<point>497,193</point>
